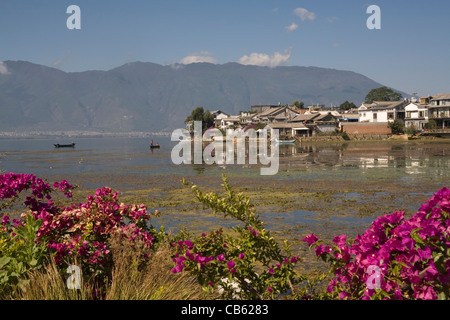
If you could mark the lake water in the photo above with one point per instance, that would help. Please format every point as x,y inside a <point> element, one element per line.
<point>323,187</point>
<point>133,155</point>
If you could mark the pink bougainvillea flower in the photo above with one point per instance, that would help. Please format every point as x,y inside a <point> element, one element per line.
<point>310,239</point>
<point>5,219</point>
<point>343,295</point>
<point>231,264</point>
<point>320,249</point>
<point>340,241</point>
<point>220,257</point>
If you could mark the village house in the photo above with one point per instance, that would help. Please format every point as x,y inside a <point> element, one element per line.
<point>219,115</point>
<point>439,110</point>
<point>416,114</point>
<point>290,129</point>
<point>382,111</point>
<point>235,121</point>
<point>279,114</point>
<point>327,121</point>
<point>315,108</point>
<point>322,121</point>
<point>351,115</point>
<point>231,122</point>
<point>261,108</point>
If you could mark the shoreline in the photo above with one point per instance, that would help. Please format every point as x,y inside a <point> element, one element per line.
<point>78,134</point>
<point>5,135</point>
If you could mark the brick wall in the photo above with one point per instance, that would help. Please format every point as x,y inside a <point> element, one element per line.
<point>366,128</point>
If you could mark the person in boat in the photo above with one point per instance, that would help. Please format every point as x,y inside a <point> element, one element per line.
<point>151,143</point>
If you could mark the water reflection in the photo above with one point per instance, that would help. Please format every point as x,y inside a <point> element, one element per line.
<point>414,158</point>
<point>133,155</point>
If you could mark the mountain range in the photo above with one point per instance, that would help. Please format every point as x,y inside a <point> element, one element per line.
<point>144,96</point>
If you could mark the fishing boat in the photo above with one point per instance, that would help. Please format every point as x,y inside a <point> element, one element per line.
<point>285,141</point>
<point>72,145</point>
<point>153,146</point>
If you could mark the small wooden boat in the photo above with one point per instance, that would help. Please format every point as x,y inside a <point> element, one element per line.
<point>153,146</point>
<point>72,145</point>
<point>284,141</point>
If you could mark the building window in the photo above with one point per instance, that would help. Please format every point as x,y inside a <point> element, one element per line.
<point>375,117</point>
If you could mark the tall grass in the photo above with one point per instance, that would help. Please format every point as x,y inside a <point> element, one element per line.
<point>151,280</point>
<point>133,278</point>
<point>47,283</point>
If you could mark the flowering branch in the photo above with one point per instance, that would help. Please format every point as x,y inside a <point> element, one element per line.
<point>250,265</point>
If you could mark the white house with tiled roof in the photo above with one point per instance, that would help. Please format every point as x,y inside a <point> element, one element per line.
<point>381,111</point>
<point>439,110</point>
<point>416,114</point>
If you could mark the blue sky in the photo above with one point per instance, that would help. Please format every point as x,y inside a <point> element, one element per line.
<point>410,52</point>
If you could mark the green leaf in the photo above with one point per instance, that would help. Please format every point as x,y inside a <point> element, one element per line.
<point>442,296</point>
<point>439,263</point>
<point>415,236</point>
<point>33,262</point>
<point>4,261</point>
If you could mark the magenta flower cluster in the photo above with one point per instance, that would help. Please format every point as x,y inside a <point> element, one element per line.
<point>12,184</point>
<point>411,256</point>
<point>188,255</point>
<point>81,229</point>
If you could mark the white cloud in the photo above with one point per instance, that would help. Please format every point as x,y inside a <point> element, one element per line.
<point>203,56</point>
<point>292,27</point>
<point>304,14</point>
<point>3,68</point>
<point>264,60</point>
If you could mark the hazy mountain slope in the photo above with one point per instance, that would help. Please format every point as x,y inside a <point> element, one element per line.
<point>150,97</point>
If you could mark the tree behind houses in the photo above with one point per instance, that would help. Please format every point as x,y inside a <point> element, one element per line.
<point>383,94</point>
<point>347,105</point>
<point>199,114</point>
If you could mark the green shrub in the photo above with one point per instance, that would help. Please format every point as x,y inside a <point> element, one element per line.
<point>20,252</point>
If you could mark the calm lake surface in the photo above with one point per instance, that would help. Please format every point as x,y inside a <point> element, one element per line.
<point>412,160</point>
<point>320,187</point>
